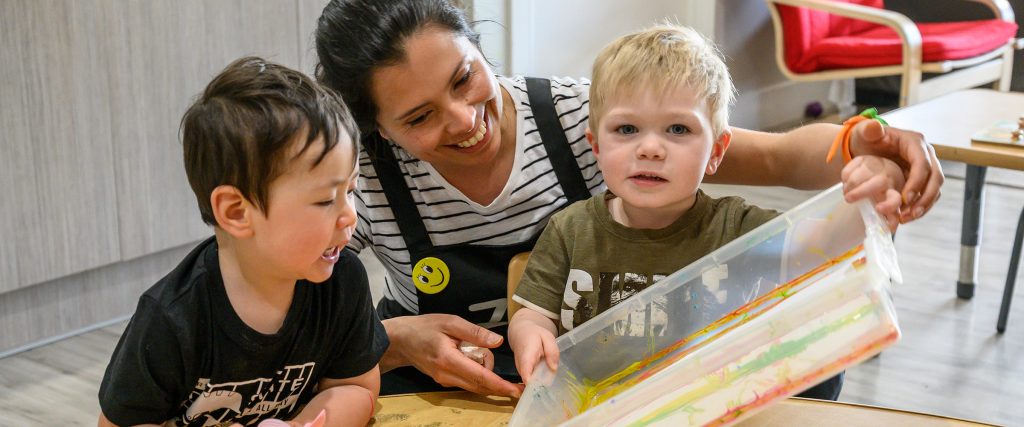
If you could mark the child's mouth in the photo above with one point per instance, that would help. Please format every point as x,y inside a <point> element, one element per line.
<point>331,254</point>
<point>651,178</point>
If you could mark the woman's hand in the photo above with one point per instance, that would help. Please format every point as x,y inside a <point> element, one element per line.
<point>430,343</point>
<point>914,156</point>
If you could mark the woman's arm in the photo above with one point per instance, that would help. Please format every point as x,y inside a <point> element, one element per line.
<point>796,159</point>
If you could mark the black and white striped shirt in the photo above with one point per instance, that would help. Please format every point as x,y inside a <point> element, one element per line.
<point>531,195</point>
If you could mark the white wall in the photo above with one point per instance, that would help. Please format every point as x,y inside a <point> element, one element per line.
<point>491,20</point>
<point>766,99</point>
<point>562,37</point>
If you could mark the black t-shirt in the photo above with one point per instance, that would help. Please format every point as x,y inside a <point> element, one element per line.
<point>186,356</point>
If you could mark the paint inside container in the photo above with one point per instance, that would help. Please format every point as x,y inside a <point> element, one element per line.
<point>773,313</point>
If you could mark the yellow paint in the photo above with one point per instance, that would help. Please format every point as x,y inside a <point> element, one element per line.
<point>590,393</point>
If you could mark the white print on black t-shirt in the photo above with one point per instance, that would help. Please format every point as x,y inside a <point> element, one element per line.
<point>245,402</point>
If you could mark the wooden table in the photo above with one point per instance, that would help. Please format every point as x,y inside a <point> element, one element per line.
<point>459,408</point>
<point>948,122</point>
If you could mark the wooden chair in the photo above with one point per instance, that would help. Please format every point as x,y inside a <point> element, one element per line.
<point>516,266</point>
<point>819,40</point>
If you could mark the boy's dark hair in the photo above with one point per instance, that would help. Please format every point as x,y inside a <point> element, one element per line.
<point>354,37</point>
<point>237,132</point>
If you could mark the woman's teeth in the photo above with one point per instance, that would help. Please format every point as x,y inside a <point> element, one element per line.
<point>480,132</point>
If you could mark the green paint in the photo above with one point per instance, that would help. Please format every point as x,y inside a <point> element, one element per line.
<point>774,354</point>
<point>589,393</point>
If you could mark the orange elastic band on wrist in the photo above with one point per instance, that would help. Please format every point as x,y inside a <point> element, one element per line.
<point>842,140</point>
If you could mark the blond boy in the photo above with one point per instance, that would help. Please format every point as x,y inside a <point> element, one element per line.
<point>659,123</point>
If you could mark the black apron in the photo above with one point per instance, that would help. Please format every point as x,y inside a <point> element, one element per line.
<point>466,280</point>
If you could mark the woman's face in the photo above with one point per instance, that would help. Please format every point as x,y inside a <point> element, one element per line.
<point>441,103</point>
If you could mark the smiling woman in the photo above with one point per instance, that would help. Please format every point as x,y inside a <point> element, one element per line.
<point>441,103</point>
<point>466,167</point>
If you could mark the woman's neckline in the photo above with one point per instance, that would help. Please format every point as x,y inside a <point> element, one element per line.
<point>507,159</point>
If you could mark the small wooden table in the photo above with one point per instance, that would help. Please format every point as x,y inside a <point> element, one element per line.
<point>948,122</point>
<point>460,408</point>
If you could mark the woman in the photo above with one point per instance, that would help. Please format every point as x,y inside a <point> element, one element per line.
<point>456,178</point>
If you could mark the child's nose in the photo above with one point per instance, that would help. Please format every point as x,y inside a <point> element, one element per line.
<point>348,217</point>
<point>651,147</point>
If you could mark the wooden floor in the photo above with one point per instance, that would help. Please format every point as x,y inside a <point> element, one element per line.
<point>950,361</point>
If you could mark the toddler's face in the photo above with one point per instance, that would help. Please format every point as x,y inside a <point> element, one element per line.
<point>654,148</point>
<point>310,214</point>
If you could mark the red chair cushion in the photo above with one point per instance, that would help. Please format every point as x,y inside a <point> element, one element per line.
<point>802,28</point>
<point>939,42</point>
<point>816,40</point>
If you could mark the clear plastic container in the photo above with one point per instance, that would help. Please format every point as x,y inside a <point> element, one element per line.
<point>765,317</point>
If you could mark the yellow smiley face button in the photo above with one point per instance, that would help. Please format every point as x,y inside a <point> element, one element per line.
<point>430,275</point>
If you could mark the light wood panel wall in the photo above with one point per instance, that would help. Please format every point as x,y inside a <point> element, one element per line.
<point>93,94</point>
<point>165,53</point>
<point>94,205</point>
<point>78,301</point>
<point>309,11</point>
<point>60,212</point>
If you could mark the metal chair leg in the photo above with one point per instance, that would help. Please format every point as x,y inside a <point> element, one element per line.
<point>1011,275</point>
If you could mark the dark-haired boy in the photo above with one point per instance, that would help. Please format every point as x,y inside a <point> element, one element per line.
<point>270,318</point>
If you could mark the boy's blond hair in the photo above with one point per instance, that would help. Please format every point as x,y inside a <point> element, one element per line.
<point>660,59</point>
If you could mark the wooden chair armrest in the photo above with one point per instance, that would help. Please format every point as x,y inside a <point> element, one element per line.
<point>904,27</point>
<point>516,267</point>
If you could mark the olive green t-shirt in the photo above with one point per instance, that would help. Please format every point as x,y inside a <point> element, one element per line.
<point>585,262</point>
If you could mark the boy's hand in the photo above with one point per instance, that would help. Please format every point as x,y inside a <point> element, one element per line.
<point>531,338</point>
<point>535,344</point>
<point>919,166</point>
<point>878,179</point>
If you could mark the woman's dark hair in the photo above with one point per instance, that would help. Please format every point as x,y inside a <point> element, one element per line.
<point>354,37</point>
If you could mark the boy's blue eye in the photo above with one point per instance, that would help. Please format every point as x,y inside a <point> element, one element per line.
<point>627,129</point>
<point>678,129</point>
<point>325,203</point>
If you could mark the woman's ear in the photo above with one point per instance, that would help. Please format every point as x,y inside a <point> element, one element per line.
<point>383,134</point>
<point>232,211</point>
<point>718,148</point>
<point>592,140</point>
